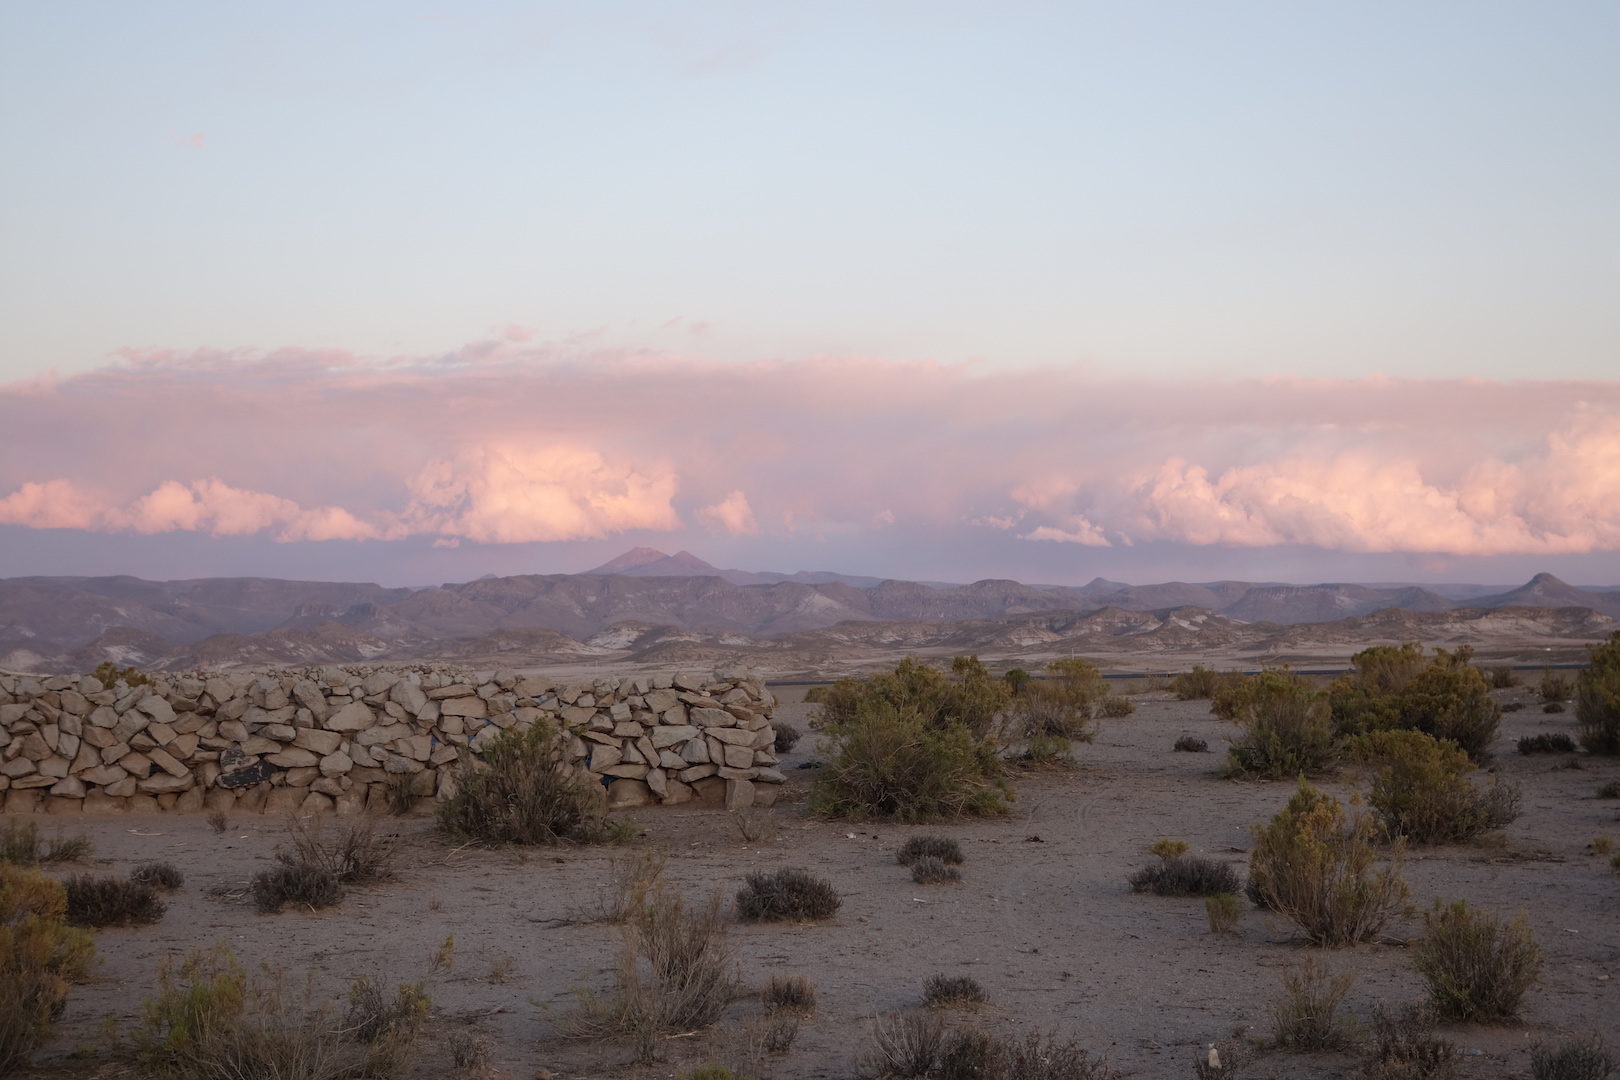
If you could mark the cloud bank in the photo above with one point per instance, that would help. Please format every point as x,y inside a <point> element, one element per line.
<point>513,442</point>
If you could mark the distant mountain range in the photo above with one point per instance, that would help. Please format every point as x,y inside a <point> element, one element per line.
<point>78,622</point>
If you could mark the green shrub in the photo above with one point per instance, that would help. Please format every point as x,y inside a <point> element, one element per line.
<point>1597,698</point>
<point>1114,707</point>
<point>1502,677</point>
<point>109,673</point>
<point>110,901</point>
<point>523,792</point>
<point>40,955</point>
<point>786,894</point>
<point>20,845</point>
<point>1312,866</point>
<point>1286,728</point>
<point>1420,789</point>
<point>944,991</point>
<point>1477,969</point>
<point>912,745</point>
<point>1396,688</point>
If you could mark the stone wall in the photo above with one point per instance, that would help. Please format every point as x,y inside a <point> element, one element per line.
<point>336,738</point>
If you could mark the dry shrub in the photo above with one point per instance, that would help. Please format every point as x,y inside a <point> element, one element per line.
<point>631,878</point>
<point>1114,707</point>
<point>673,974</point>
<point>942,848</point>
<point>1554,687</point>
<point>755,825</point>
<point>1574,1059</point>
<point>1443,696</point>
<point>1420,789</point>
<point>1199,684</point>
<point>523,792</point>
<point>1286,727</point>
<point>1597,698</point>
<point>1191,744</point>
<point>1317,869</point>
<point>1553,707</point>
<point>1611,790</point>
<point>159,875</point>
<point>1186,875</point>
<point>787,737</point>
<point>1502,677</point>
<point>40,955</point>
<point>1477,968</point>
<point>796,993</point>
<point>1547,743</point>
<point>930,871</point>
<point>949,991</point>
<point>111,901</point>
<point>779,1034</point>
<point>469,1054</point>
<point>1306,1016</point>
<point>397,794</point>
<point>786,894</point>
<point>321,861</point>
<point>912,1046</point>
<point>218,822</point>
<point>1223,912</point>
<point>1405,1047</point>
<point>211,1020</point>
<point>20,845</point>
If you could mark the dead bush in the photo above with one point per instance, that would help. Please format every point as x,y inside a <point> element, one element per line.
<point>1306,1017</point>
<point>159,875</point>
<point>673,974</point>
<point>942,848</point>
<point>20,845</point>
<point>1597,698</point>
<point>1477,969</point>
<point>469,1054</point>
<point>787,737</point>
<point>211,1020</point>
<point>353,852</point>
<point>1286,727</point>
<point>1573,1059</point>
<point>218,822</point>
<point>398,797</point>
<point>302,885</point>
<point>915,1045</point>
<point>40,956</point>
<point>631,879</point>
<point>949,991</point>
<point>523,792</point>
<point>780,1034</point>
<point>796,993</point>
<point>1186,875</point>
<point>1312,866</point>
<point>1420,789</point>
<point>786,894</point>
<point>110,901</point>
<point>1547,743</point>
<point>1191,744</point>
<point>930,871</point>
<point>1405,1047</point>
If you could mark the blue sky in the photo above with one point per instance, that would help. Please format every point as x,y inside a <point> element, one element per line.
<point>1307,291</point>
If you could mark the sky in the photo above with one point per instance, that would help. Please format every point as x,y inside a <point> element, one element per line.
<point>941,291</point>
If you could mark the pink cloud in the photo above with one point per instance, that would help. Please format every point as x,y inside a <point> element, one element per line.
<point>733,514</point>
<point>506,442</point>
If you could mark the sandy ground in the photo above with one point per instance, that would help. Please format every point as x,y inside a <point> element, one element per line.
<point>1043,918</point>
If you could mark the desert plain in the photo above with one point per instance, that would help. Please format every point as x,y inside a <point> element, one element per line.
<point>1043,917</point>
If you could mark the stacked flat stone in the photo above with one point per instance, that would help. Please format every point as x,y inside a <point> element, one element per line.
<point>338,738</point>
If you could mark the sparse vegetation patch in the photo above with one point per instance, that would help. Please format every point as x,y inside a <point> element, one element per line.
<point>787,894</point>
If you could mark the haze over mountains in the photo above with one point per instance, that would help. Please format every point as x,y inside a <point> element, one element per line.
<point>646,598</point>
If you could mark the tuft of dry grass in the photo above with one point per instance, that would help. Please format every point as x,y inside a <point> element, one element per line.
<point>1405,1047</point>
<point>321,861</point>
<point>631,877</point>
<point>1191,744</point>
<point>218,822</point>
<point>930,871</point>
<point>20,845</point>
<point>1306,1016</point>
<point>1223,912</point>
<point>159,875</point>
<point>942,848</point>
<point>795,993</point>
<point>110,901</point>
<point>1574,1059</point>
<point>918,1045</point>
<point>953,991</point>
